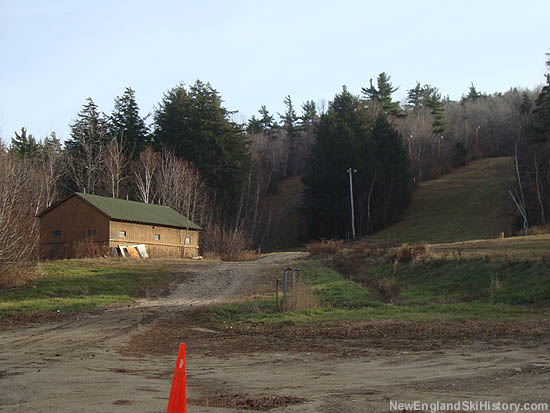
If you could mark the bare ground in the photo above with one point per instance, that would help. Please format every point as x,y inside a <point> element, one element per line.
<point>121,360</point>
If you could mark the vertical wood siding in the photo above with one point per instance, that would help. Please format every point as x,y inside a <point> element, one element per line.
<point>73,218</point>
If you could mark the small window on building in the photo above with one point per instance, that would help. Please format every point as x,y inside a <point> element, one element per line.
<point>57,233</point>
<point>157,237</point>
<point>91,232</point>
<point>188,240</point>
<point>122,233</point>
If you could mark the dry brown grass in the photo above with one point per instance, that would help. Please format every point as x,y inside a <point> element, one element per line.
<point>407,253</point>
<point>21,274</point>
<point>81,249</point>
<point>300,298</point>
<point>325,247</point>
<point>348,262</point>
<point>212,255</point>
<point>242,255</point>
<point>387,289</point>
<point>536,230</point>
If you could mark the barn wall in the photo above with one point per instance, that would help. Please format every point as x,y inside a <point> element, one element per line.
<point>171,242</point>
<point>73,218</point>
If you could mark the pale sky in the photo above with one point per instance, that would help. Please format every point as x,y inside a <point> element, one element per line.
<point>54,54</point>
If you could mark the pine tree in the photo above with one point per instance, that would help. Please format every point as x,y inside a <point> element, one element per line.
<point>341,139</point>
<point>195,126</point>
<point>473,94</point>
<point>542,112</point>
<point>309,113</point>
<point>418,96</point>
<point>266,120</point>
<point>290,120</point>
<point>90,126</point>
<point>382,95</point>
<point>254,125</point>
<point>526,104</point>
<point>24,146</point>
<point>348,137</point>
<point>85,149</point>
<point>439,125</point>
<point>128,125</point>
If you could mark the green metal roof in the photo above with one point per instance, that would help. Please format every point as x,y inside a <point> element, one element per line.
<point>122,210</point>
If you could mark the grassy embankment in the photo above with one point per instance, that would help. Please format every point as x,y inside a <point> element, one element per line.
<point>428,288</point>
<point>77,285</point>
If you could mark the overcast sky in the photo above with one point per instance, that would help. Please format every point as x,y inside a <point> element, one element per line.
<point>54,54</point>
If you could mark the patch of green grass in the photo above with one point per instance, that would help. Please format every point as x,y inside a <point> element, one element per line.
<point>475,280</point>
<point>74,285</point>
<point>228,314</point>
<point>432,290</point>
<point>332,289</point>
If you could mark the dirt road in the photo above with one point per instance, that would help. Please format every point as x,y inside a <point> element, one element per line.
<point>83,364</point>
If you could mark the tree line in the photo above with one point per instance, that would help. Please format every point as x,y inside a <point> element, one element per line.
<point>191,155</point>
<point>531,194</point>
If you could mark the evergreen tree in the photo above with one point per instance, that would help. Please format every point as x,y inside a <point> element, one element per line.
<point>341,139</point>
<point>418,96</point>
<point>195,126</point>
<point>90,128</point>
<point>542,111</point>
<point>52,145</point>
<point>439,125</point>
<point>309,113</point>
<point>348,137</point>
<point>526,104</point>
<point>24,146</point>
<point>289,118</point>
<point>393,177</point>
<point>382,95</point>
<point>128,125</point>
<point>473,94</point>
<point>85,149</point>
<point>266,120</point>
<point>254,125</point>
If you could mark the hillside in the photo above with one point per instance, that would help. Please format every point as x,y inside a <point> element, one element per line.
<point>469,203</point>
<point>286,218</point>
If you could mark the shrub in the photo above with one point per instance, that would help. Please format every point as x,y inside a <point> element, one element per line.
<point>240,255</point>
<point>348,262</point>
<point>386,289</point>
<point>300,298</point>
<point>325,247</point>
<point>537,230</point>
<point>408,253</point>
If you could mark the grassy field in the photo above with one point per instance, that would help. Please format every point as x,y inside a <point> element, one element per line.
<point>468,203</point>
<point>76,285</point>
<point>432,289</point>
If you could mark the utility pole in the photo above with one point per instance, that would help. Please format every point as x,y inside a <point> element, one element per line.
<point>351,171</point>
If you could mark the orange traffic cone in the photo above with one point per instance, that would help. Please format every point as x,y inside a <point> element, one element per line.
<point>177,402</point>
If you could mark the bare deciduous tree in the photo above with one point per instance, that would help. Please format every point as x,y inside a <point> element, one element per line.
<point>145,170</point>
<point>115,165</point>
<point>22,196</point>
<point>84,167</point>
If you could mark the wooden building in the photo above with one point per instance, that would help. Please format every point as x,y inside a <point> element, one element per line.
<point>83,219</point>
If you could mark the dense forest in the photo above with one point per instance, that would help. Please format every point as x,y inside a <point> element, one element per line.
<point>191,155</point>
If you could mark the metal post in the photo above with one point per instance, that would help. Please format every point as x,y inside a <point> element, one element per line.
<point>350,171</point>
